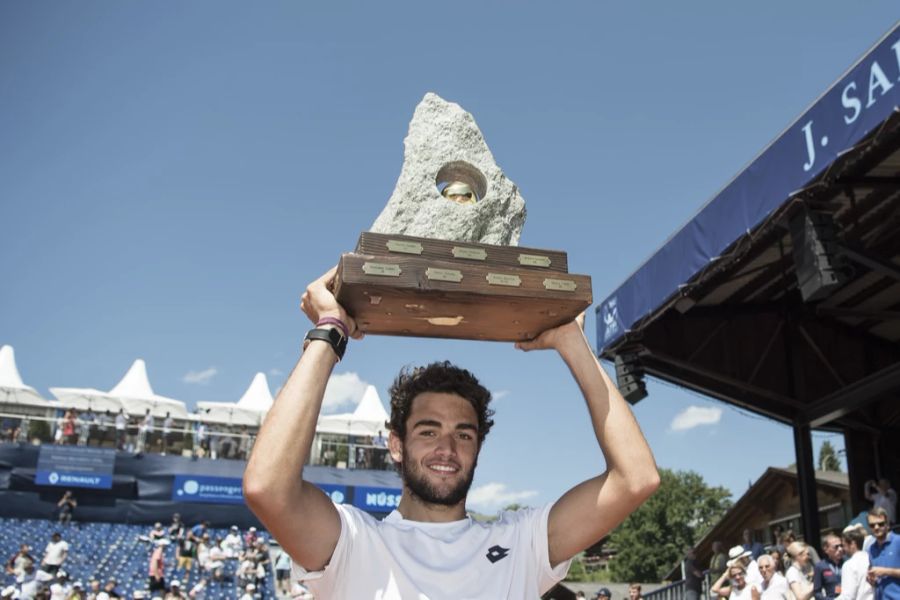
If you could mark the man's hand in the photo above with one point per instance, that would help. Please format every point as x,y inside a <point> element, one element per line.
<point>319,302</point>
<point>556,338</point>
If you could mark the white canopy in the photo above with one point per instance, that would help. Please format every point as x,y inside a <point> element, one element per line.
<point>133,393</point>
<point>257,397</point>
<point>249,410</point>
<point>12,389</point>
<point>368,418</point>
<point>226,413</point>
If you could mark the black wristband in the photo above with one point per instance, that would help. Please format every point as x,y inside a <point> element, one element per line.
<point>333,337</point>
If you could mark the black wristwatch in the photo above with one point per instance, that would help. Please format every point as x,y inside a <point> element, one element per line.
<point>334,337</point>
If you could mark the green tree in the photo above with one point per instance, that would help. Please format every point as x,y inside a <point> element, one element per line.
<point>828,458</point>
<point>651,541</point>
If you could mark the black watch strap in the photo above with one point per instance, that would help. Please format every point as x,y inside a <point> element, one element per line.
<point>333,337</point>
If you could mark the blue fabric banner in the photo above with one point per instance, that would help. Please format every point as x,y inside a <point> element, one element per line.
<point>849,111</point>
<point>376,499</point>
<point>75,466</point>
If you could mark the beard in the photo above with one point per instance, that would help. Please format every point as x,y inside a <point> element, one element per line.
<point>416,481</point>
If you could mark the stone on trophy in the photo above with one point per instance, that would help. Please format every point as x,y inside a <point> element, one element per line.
<point>450,187</point>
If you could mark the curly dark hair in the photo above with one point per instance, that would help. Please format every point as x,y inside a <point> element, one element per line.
<point>437,377</point>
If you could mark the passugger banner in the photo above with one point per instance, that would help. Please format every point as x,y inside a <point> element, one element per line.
<point>75,466</point>
<point>228,490</point>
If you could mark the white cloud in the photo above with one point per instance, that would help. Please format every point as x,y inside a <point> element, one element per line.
<point>343,390</point>
<point>202,377</point>
<point>695,416</point>
<point>499,394</point>
<point>492,496</point>
<point>276,372</point>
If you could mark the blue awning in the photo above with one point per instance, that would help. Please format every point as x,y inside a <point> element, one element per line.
<point>849,111</point>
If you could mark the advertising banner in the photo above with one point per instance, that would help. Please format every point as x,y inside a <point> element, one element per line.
<point>75,466</point>
<point>377,499</point>
<point>228,490</point>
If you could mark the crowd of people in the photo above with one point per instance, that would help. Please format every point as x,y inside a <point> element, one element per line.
<point>857,563</point>
<point>239,560</point>
<point>141,434</point>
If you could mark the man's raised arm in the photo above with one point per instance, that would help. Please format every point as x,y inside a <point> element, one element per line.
<point>593,508</point>
<point>299,515</point>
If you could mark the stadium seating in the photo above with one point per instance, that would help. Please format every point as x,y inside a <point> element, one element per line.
<point>104,550</point>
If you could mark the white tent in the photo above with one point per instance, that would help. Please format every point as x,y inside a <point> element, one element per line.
<point>249,410</point>
<point>12,389</point>
<point>368,418</point>
<point>133,393</point>
<point>258,397</point>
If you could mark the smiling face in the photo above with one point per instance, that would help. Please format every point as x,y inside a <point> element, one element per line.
<point>440,451</point>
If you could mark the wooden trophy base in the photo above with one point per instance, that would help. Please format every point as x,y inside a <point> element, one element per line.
<point>402,285</point>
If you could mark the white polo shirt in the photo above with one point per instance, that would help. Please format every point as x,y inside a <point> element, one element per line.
<point>396,559</point>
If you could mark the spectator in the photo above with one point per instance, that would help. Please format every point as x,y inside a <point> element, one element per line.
<point>66,507</point>
<point>776,553</point>
<point>200,441</point>
<point>634,591</point>
<point>717,564</point>
<point>244,443</point>
<point>145,432</point>
<point>250,537</point>
<point>232,544</point>
<point>55,554</point>
<point>884,556</point>
<point>737,555</point>
<point>198,592</point>
<point>29,584</point>
<point>248,592</point>
<point>175,592</point>
<point>157,568</point>
<point>110,590</point>
<point>693,576</point>
<point>17,563</point>
<point>103,422</point>
<point>827,572</point>
<point>604,594</point>
<point>175,526</point>
<point>60,588</point>
<point>69,433</point>
<point>186,549</point>
<point>157,533</point>
<point>856,566</point>
<point>774,586</point>
<point>881,495</point>
<point>168,423</point>
<point>93,589</point>
<point>799,575</point>
<point>756,549</point>
<point>77,592</point>
<point>732,584</point>
<point>121,429</point>
<point>283,572</point>
<point>85,421</point>
<point>22,430</point>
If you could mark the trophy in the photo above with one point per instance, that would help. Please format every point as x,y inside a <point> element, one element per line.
<point>442,259</point>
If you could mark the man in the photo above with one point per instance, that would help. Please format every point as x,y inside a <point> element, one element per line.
<point>439,420</point>
<point>774,586</point>
<point>168,424</point>
<point>827,574</point>
<point>604,594</point>
<point>54,554</point>
<point>756,548</point>
<point>881,495</point>
<point>16,564</point>
<point>121,432</point>
<point>853,573</point>
<point>717,564</point>
<point>60,589</point>
<point>145,432</point>
<point>693,577</point>
<point>157,568</point>
<point>884,555</point>
<point>634,591</point>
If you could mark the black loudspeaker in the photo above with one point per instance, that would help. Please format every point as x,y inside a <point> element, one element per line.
<point>630,378</point>
<point>819,265</point>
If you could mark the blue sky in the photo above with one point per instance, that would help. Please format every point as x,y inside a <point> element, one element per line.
<point>173,174</point>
